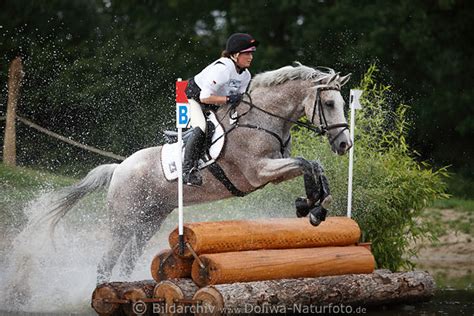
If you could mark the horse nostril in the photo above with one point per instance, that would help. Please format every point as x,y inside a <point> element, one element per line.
<point>343,145</point>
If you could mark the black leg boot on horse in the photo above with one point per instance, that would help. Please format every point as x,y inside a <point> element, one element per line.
<point>318,195</point>
<point>192,153</point>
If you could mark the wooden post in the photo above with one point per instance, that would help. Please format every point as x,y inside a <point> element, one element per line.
<point>301,296</point>
<point>260,265</point>
<point>272,233</point>
<point>15,75</point>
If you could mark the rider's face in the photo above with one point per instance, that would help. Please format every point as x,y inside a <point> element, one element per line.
<point>244,59</point>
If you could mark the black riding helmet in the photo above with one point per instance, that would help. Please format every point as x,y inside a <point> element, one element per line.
<point>238,42</point>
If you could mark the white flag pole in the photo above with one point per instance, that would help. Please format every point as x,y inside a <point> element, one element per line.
<point>354,105</point>
<point>180,190</point>
<point>182,120</point>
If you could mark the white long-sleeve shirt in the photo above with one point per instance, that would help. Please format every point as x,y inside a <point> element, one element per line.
<point>222,79</point>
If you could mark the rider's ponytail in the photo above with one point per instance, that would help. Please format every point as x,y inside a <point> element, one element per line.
<point>225,54</point>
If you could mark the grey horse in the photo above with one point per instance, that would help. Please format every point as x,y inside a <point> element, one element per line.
<point>257,152</point>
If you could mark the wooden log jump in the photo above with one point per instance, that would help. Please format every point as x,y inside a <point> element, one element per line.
<point>167,265</point>
<point>281,233</point>
<point>248,266</point>
<point>177,295</point>
<point>291,296</point>
<point>116,298</point>
<point>166,298</point>
<point>296,296</point>
<point>259,265</point>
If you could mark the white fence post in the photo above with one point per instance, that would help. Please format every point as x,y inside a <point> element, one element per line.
<point>355,105</point>
<point>182,120</point>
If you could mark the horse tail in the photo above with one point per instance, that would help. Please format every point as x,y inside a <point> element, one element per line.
<point>66,198</point>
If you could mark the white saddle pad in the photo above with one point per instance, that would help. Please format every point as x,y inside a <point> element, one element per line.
<point>169,152</point>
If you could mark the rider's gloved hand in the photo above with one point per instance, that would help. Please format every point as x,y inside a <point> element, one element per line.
<point>234,99</point>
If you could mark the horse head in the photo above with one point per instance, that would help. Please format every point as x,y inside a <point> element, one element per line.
<point>324,107</point>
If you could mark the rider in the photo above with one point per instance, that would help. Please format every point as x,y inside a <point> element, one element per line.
<point>222,82</point>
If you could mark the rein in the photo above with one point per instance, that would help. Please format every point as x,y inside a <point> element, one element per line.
<point>319,130</point>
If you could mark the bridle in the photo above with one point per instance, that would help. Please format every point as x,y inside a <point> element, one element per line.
<point>322,129</point>
<point>324,126</point>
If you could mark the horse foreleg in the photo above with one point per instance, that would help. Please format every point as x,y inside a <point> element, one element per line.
<point>278,170</point>
<point>318,196</point>
<point>317,185</point>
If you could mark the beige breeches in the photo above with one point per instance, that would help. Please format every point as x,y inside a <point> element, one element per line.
<point>197,117</point>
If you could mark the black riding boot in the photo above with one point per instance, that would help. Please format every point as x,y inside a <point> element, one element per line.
<point>192,153</point>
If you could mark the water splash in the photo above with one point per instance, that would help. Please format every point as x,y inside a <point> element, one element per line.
<point>38,275</point>
<point>42,276</point>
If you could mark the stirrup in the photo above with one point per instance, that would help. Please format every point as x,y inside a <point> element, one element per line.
<point>192,178</point>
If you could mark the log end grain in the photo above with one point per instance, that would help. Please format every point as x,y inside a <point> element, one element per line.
<point>172,267</point>
<point>169,291</point>
<point>99,297</point>
<point>202,275</point>
<point>189,236</point>
<point>176,294</point>
<point>133,295</point>
<point>212,302</point>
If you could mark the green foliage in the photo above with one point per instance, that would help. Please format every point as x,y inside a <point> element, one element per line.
<point>391,188</point>
<point>455,203</point>
<point>25,178</point>
<point>18,186</point>
<point>101,73</point>
<point>92,65</point>
<point>460,185</point>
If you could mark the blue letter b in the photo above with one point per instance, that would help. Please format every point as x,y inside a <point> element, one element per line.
<point>183,115</point>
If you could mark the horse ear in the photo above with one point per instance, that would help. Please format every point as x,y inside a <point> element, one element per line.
<point>333,77</point>
<point>345,79</point>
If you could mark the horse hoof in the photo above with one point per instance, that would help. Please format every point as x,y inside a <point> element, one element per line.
<point>302,207</point>
<point>314,220</point>
<point>317,215</point>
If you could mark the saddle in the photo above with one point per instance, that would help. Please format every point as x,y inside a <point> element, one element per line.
<point>215,139</point>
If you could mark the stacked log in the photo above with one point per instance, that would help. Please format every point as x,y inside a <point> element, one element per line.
<point>268,249</point>
<point>247,266</point>
<point>116,298</point>
<point>260,265</point>
<point>292,296</point>
<point>296,296</point>
<point>279,233</point>
<point>167,265</point>
<point>177,295</point>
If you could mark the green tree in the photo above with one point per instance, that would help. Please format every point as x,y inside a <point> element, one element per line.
<point>92,65</point>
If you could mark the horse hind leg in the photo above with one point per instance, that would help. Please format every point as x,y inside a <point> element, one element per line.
<point>120,238</point>
<point>147,226</point>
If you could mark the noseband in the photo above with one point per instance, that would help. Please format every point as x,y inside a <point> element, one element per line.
<point>324,127</point>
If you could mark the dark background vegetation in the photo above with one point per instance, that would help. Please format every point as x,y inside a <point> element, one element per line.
<point>102,72</point>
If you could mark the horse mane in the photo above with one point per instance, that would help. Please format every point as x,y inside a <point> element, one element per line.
<point>287,73</point>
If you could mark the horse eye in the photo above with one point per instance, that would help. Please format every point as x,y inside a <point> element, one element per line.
<point>329,103</point>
